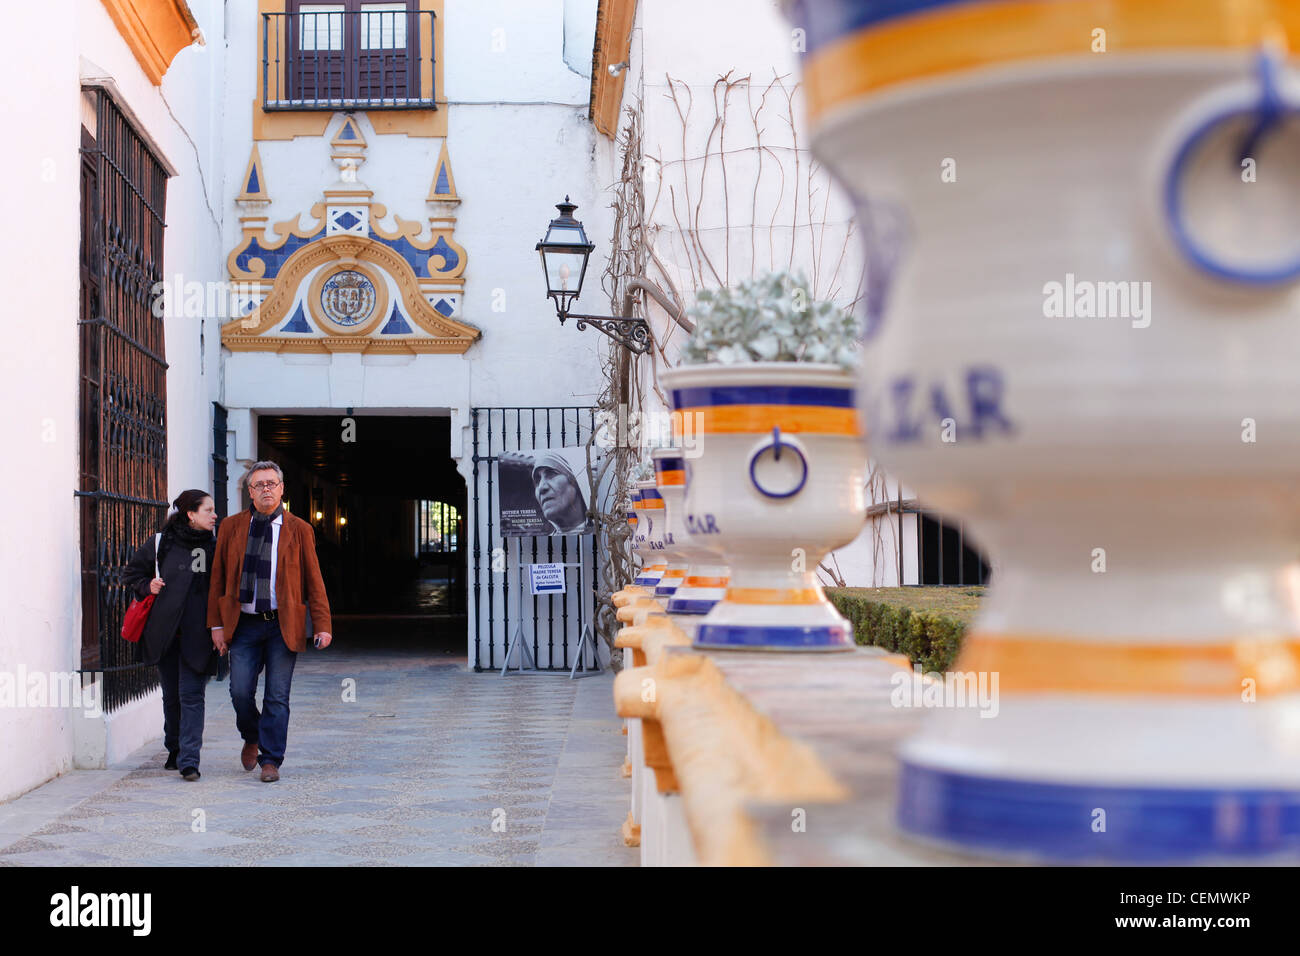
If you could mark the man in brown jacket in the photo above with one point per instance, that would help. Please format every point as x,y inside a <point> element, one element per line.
<point>263,569</point>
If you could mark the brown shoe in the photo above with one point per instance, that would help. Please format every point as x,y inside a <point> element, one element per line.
<point>270,773</point>
<point>248,756</point>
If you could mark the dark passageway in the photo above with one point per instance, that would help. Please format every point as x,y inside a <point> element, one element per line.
<point>388,506</point>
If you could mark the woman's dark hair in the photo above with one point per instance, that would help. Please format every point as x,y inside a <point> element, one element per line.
<point>186,502</point>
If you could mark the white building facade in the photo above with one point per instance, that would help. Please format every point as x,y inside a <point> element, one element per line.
<point>305,231</point>
<point>334,269</point>
<point>729,190</point>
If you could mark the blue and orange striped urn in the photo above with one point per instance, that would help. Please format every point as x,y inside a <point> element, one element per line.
<point>1081,302</point>
<point>667,463</point>
<point>775,465</point>
<point>701,581</point>
<point>649,537</point>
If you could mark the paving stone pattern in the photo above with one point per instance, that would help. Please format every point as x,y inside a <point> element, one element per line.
<point>413,773</point>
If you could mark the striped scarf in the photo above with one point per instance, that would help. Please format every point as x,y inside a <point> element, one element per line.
<point>255,577</point>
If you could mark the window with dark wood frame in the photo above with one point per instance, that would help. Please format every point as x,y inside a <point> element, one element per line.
<point>352,51</point>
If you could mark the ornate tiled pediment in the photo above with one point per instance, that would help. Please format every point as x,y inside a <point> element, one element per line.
<point>344,282</point>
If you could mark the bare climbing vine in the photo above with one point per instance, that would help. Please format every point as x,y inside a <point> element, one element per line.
<point>621,389</point>
<point>740,195</point>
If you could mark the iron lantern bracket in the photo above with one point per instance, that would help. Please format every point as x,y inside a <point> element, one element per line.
<point>632,334</point>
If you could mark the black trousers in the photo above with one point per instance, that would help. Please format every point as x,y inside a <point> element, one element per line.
<point>184,693</point>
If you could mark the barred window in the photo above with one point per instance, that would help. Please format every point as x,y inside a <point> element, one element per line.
<point>123,381</point>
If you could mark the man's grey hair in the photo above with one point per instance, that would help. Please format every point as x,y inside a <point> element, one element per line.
<point>261,466</point>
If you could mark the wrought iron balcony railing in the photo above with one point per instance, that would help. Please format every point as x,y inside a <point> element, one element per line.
<point>358,59</point>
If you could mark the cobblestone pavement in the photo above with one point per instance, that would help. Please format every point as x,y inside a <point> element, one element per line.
<point>413,773</point>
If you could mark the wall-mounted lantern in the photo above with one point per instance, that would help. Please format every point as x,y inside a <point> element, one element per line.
<point>564,253</point>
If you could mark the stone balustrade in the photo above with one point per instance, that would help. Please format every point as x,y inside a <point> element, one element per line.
<point>756,758</point>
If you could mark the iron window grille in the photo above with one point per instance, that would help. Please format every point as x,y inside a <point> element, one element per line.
<point>123,384</point>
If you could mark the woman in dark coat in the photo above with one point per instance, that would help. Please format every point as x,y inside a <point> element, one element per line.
<point>176,637</point>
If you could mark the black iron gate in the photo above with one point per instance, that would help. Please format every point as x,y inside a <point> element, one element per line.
<point>220,463</point>
<point>123,414</point>
<point>552,621</point>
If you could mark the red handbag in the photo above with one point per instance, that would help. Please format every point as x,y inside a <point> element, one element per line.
<point>138,613</point>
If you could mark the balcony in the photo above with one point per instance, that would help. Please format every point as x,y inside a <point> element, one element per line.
<point>379,57</point>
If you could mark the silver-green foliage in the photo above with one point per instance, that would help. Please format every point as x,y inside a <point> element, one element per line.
<point>770,318</point>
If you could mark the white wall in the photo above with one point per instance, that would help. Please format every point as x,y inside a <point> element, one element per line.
<point>40,615</point>
<point>38,386</point>
<point>519,141</point>
<point>736,234</point>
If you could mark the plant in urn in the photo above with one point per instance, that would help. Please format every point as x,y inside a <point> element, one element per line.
<point>766,390</point>
<point>1083,235</point>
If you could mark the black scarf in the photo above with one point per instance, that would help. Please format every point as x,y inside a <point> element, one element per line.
<point>255,576</point>
<point>184,534</point>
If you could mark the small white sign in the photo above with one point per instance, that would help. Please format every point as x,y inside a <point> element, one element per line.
<point>546,578</point>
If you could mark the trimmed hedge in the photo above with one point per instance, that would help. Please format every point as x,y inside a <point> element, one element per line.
<point>926,624</point>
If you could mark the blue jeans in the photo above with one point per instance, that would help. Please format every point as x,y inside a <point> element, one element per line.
<point>256,644</point>
<point>183,694</point>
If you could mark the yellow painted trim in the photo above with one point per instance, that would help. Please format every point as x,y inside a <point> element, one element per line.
<point>760,419</point>
<point>444,161</point>
<point>247,334</point>
<point>411,229</point>
<point>388,345</point>
<point>708,743</point>
<point>155,31</point>
<point>284,229</point>
<point>631,831</point>
<point>614,19</point>
<point>626,595</point>
<point>971,35</point>
<point>327,325</point>
<point>657,641</point>
<point>254,163</point>
<point>693,581</point>
<point>1139,668</point>
<point>632,635</point>
<point>627,613</point>
<point>775,596</point>
<point>360,141</point>
<point>278,125</point>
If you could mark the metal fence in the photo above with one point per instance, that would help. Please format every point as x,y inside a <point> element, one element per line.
<point>220,462</point>
<point>123,388</point>
<point>552,623</point>
<point>944,556</point>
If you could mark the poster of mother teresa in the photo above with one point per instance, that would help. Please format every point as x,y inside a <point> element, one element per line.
<point>543,492</point>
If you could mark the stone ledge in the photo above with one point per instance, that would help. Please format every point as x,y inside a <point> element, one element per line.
<point>780,759</point>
